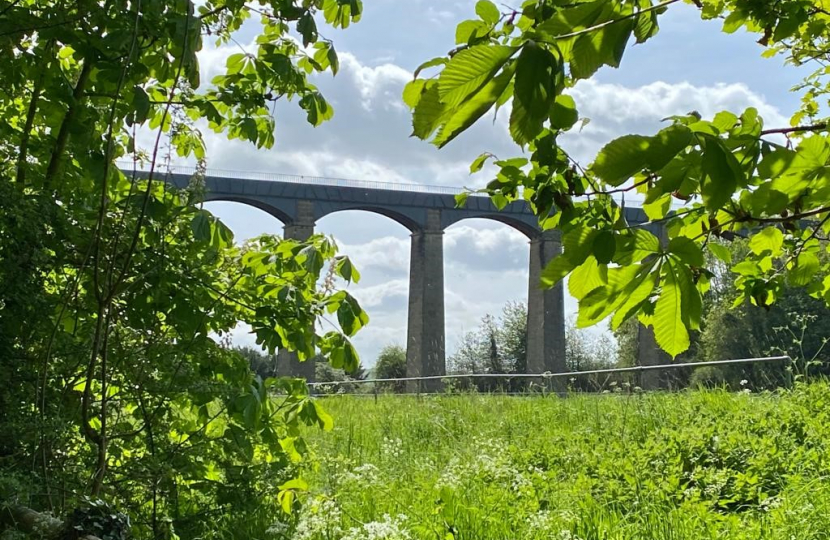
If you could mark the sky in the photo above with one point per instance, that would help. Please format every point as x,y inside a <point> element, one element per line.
<point>689,65</point>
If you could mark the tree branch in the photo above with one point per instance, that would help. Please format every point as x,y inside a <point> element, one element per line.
<point>615,21</point>
<point>797,129</point>
<point>30,119</point>
<point>63,133</point>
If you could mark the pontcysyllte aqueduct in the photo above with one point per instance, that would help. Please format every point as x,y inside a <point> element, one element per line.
<point>298,202</point>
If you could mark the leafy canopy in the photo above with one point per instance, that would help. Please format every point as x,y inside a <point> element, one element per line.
<point>118,293</point>
<point>730,174</point>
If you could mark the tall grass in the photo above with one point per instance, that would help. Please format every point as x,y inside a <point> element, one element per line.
<point>698,464</point>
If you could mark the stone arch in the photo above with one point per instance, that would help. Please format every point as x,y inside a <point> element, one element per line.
<point>527,227</point>
<point>409,222</point>
<point>274,211</point>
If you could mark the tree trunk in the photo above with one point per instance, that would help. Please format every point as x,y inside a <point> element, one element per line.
<point>34,523</point>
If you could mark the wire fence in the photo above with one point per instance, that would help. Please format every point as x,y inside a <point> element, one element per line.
<point>744,374</point>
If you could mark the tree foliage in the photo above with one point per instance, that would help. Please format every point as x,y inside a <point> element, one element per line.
<point>391,364</point>
<point>118,293</point>
<point>733,174</point>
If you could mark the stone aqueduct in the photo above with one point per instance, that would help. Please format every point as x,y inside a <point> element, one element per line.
<point>298,202</point>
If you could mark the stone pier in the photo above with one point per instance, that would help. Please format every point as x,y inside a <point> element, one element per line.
<point>288,365</point>
<point>425,354</point>
<point>545,311</point>
<point>648,352</point>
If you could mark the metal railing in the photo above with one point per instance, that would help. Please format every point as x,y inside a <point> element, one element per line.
<point>315,180</point>
<point>549,376</point>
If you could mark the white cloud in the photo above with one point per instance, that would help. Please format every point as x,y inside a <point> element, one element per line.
<point>615,110</point>
<point>383,294</point>
<point>381,85</point>
<point>388,254</point>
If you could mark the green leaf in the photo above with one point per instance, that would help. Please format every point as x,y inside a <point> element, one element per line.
<point>622,158</point>
<point>488,11</point>
<point>347,271</point>
<point>201,226</point>
<point>350,315</point>
<point>587,277</point>
<point>429,112</point>
<point>324,419</point>
<point>563,114</point>
<point>721,173</point>
<point>747,268</point>
<point>317,108</point>
<point>469,70</point>
<point>604,46</point>
<point>295,483</point>
<point>605,245</point>
<point>638,291</point>
<point>803,270</point>
<point>646,26</point>
<point>658,208</point>
<point>466,115</point>
<point>468,31</point>
<point>341,13</point>
<point>334,61</point>
<point>141,105</point>
<point>687,251</point>
<point>572,19</point>
<point>636,247</point>
<point>556,270</point>
<point>437,61</point>
<point>478,163</point>
<point>534,92</point>
<point>307,28</point>
<point>412,92</point>
<point>769,240</point>
<point>721,252</point>
<point>343,355</point>
<point>578,243</point>
<point>669,330</point>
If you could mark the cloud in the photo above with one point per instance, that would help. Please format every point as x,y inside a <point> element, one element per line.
<point>615,110</point>
<point>377,86</point>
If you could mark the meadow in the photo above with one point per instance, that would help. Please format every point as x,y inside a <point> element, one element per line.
<point>688,465</point>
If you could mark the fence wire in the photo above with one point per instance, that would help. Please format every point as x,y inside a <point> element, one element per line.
<point>742,374</point>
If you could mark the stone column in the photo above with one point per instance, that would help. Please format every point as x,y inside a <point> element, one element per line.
<point>648,352</point>
<point>425,334</point>
<point>545,312</point>
<point>288,365</point>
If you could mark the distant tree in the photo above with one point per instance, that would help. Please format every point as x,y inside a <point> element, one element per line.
<point>391,364</point>
<point>264,365</point>
<point>500,346</point>
<point>627,343</point>
<point>325,373</point>
<point>513,336</point>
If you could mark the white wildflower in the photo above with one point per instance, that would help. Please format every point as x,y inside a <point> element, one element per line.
<point>278,529</point>
<point>392,447</point>
<point>319,519</point>
<point>362,474</point>
<point>388,529</point>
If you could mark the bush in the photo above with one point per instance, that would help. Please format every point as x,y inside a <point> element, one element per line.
<point>391,364</point>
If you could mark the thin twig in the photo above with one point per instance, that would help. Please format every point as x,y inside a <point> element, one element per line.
<point>614,21</point>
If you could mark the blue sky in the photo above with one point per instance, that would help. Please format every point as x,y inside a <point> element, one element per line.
<point>690,65</point>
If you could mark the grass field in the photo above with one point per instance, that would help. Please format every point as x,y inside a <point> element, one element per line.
<point>673,466</point>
